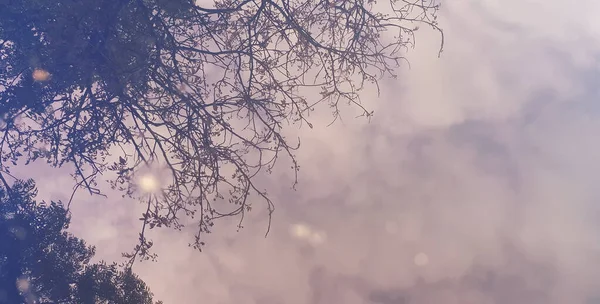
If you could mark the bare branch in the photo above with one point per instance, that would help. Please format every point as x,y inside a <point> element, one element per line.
<point>205,92</point>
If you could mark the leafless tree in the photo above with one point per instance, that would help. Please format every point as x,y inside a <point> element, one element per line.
<point>204,91</point>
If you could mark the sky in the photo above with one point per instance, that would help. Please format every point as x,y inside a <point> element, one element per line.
<point>475,182</point>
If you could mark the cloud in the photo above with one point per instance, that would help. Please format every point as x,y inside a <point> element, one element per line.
<point>485,161</point>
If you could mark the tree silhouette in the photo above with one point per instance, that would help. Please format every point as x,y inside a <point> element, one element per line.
<point>205,92</point>
<point>40,262</point>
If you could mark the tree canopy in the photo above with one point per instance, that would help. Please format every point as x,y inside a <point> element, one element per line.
<point>204,91</point>
<point>40,262</point>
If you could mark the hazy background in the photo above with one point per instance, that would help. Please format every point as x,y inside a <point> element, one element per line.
<point>475,182</point>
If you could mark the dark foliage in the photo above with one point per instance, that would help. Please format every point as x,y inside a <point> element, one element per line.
<point>205,92</point>
<point>40,262</point>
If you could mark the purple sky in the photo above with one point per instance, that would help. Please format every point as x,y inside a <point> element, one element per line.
<point>475,182</point>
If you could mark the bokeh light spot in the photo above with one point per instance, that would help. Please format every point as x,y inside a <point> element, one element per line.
<point>421,259</point>
<point>300,231</point>
<point>317,238</point>
<point>148,183</point>
<point>40,75</point>
<point>23,284</point>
